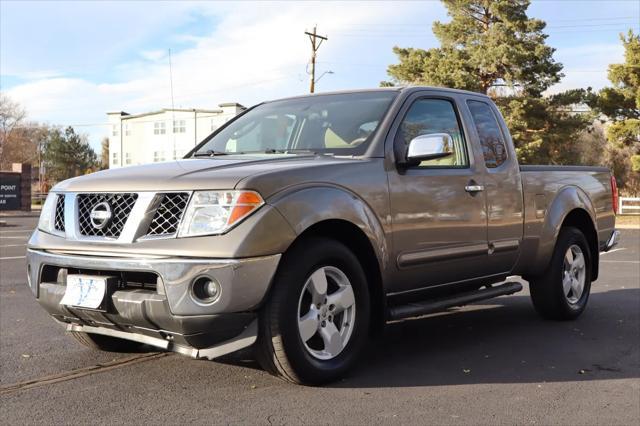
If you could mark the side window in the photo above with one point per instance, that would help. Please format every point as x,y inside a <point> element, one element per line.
<point>434,116</point>
<point>491,137</point>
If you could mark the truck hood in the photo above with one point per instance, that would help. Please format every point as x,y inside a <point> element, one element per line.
<point>189,174</point>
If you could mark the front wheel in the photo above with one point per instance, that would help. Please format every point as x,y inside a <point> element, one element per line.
<point>316,320</point>
<point>562,291</point>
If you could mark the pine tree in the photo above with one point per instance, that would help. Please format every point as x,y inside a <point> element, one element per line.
<point>493,47</point>
<point>68,155</point>
<point>621,105</point>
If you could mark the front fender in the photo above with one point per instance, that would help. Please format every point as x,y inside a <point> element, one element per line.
<point>567,199</point>
<point>307,206</point>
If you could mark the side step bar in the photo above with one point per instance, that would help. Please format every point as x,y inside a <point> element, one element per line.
<point>442,304</point>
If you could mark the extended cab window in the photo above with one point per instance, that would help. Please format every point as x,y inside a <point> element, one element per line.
<point>428,116</point>
<point>491,138</point>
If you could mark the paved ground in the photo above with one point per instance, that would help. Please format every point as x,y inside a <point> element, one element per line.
<point>491,364</point>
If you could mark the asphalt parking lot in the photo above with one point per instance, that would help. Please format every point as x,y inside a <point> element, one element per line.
<point>495,363</point>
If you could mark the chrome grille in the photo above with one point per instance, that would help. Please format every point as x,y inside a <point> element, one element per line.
<point>58,223</point>
<point>168,214</point>
<point>121,206</point>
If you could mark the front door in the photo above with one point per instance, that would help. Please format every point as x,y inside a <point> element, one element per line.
<point>439,221</point>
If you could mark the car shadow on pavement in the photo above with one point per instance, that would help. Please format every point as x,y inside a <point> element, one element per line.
<point>505,341</point>
<point>501,341</point>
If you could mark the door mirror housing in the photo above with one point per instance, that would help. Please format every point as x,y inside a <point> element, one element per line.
<point>429,147</point>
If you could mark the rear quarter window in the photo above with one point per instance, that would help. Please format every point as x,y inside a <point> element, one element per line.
<point>491,138</point>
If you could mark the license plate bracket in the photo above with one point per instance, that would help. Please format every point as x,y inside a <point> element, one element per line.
<point>90,292</point>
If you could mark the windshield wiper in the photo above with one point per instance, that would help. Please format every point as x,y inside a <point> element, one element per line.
<point>210,153</point>
<point>288,151</point>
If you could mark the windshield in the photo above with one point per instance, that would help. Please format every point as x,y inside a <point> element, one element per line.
<point>341,124</point>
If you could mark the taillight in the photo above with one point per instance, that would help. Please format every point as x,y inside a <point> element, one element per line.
<point>614,194</point>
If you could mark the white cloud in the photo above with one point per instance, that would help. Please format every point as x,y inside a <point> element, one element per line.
<point>153,55</point>
<point>257,51</point>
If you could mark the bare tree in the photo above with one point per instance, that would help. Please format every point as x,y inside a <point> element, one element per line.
<point>11,116</point>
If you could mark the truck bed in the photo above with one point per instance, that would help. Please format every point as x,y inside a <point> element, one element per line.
<point>542,186</point>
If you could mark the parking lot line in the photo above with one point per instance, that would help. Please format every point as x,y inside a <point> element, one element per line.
<point>613,251</point>
<point>15,231</point>
<point>620,261</point>
<point>14,245</point>
<point>12,257</point>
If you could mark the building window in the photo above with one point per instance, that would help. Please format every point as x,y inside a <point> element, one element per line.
<point>127,131</point>
<point>214,125</point>
<point>159,128</point>
<point>127,158</point>
<point>114,130</point>
<point>179,126</point>
<point>158,156</point>
<point>114,158</point>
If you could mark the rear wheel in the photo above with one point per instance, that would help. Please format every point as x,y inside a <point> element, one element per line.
<point>106,343</point>
<point>316,320</point>
<point>562,291</point>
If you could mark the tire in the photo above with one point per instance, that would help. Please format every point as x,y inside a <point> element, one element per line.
<point>106,343</point>
<point>555,294</point>
<point>291,307</point>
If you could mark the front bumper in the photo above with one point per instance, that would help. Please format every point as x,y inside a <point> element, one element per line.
<point>612,241</point>
<point>168,315</point>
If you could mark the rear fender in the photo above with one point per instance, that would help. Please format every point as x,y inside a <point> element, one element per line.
<point>566,200</point>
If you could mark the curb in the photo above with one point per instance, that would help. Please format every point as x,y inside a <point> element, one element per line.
<point>628,226</point>
<point>8,215</point>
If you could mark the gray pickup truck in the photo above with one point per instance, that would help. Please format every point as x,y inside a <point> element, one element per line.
<point>304,224</point>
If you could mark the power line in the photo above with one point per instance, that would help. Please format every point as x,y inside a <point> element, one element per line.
<point>551,22</point>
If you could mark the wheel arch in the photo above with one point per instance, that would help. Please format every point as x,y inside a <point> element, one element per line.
<point>571,206</point>
<point>580,219</point>
<point>336,213</point>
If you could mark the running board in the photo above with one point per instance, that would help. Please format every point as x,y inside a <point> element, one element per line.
<point>442,304</point>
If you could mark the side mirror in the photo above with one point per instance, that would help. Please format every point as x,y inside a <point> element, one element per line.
<point>429,147</point>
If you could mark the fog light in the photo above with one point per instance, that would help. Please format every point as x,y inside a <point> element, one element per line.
<point>206,290</point>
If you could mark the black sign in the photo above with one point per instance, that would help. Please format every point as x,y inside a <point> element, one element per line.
<point>9,191</point>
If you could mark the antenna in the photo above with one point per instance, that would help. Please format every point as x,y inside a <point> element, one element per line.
<point>173,113</point>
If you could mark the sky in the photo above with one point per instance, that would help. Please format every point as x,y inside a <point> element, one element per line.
<point>68,63</point>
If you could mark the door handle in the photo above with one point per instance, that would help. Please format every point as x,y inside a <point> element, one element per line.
<point>473,188</point>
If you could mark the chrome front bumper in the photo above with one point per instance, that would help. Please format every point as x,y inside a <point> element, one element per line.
<point>167,316</point>
<point>244,282</point>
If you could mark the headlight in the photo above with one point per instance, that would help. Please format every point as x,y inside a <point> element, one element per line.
<point>47,220</point>
<point>215,212</point>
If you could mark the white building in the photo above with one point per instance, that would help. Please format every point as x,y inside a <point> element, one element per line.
<point>162,135</point>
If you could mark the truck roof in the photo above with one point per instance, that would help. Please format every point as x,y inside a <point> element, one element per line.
<point>404,89</point>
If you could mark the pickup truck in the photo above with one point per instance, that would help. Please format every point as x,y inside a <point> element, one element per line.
<point>305,224</point>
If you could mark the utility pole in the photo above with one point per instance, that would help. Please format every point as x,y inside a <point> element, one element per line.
<point>314,49</point>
